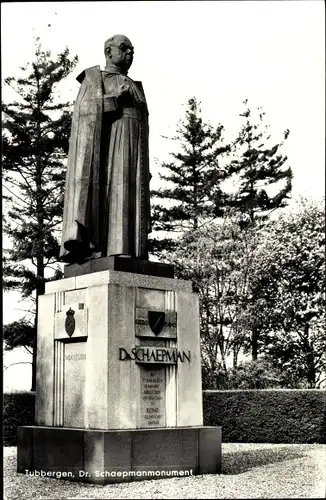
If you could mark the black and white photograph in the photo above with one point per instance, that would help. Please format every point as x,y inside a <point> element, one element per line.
<point>163,200</point>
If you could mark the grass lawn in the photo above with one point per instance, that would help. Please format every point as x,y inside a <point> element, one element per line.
<point>248,471</point>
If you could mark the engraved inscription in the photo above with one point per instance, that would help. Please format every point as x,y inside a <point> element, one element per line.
<point>141,321</point>
<point>152,354</point>
<point>150,323</point>
<point>152,397</point>
<point>74,384</point>
<point>76,356</point>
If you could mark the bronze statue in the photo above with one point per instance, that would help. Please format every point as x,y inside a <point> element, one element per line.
<point>106,205</point>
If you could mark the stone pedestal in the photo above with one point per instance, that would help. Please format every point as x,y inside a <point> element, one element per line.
<point>118,380</point>
<point>104,457</point>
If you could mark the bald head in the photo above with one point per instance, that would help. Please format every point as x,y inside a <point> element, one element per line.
<point>119,51</point>
<point>116,40</point>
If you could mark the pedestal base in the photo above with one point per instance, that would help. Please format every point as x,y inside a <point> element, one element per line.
<point>116,263</point>
<point>111,456</point>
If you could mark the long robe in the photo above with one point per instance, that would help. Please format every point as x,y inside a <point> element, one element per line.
<point>107,207</point>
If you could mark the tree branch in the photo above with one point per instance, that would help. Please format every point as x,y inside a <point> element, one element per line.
<point>18,363</point>
<point>16,196</point>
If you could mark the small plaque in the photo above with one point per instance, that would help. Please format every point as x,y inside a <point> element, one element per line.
<point>74,384</point>
<point>152,394</point>
<point>154,323</point>
<point>71,321</point>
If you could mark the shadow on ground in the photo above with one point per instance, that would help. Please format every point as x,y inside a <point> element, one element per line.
<point>242,461</point>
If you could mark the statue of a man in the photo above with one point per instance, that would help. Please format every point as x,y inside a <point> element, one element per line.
<point>107,206</point>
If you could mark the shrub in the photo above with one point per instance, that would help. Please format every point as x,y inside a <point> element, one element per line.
<point>256,374</point>
<point>267,416</point>
<point>246,416</point>
<point>18,409</point>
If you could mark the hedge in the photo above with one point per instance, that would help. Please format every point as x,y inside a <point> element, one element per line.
<point>18,409</point>
<point>268,415</point>
<point>246,416</point>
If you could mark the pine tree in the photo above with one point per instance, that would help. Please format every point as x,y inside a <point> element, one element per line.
<point>192,194</point>
<point>259,170</point>
<point>35,146</point>
<point>264,181</point>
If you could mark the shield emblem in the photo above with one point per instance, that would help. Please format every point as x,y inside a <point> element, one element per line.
<point>156,321</point>
<point>70,322</point>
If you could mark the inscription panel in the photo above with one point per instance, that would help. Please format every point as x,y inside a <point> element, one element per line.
<point>168,327</point>
<point>152,394</point>
<point>74,384</point>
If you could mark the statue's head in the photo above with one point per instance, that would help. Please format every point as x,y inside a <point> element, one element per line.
<point>118,50</point>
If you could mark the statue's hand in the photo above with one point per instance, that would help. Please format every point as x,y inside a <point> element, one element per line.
<point>124,95</point>
<point>124,89</point>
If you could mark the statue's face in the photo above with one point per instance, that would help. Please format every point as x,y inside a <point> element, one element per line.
<point>122,52</point>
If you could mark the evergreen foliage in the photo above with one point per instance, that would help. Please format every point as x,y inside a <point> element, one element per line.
<point>18,410</point>
<point>257,168</point>
<point>218,230</point>
<point>19,333</point>
<point>262,180</point>
<point>267,416</point>
<point>247,416</point>
<point>35,146</point>
<point>193,193</point>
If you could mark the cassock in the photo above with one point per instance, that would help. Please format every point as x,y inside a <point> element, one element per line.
<point>107,205</point>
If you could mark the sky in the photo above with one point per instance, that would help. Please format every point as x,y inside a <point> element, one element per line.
<point>222,52</point>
